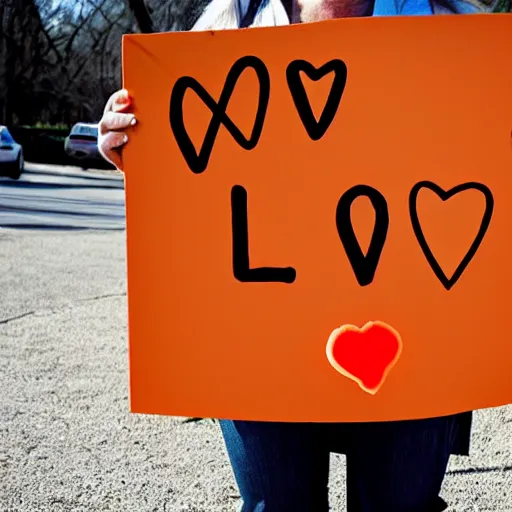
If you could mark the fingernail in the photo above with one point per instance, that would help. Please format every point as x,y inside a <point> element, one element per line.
<point>133,121</point>
<point>125,138</point>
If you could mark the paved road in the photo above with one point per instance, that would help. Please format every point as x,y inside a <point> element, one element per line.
<point>62,197</point>
<point>67,440</point>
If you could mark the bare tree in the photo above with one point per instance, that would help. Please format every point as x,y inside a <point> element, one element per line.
<point>60,60</point>
<point>175,15</point>
<point>141,14</point>
<point>26,53</point>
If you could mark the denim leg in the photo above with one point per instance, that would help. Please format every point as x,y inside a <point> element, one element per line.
<point>279,467</point>
<point>399,466</point>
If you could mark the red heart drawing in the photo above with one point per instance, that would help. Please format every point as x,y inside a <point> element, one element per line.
<point>365,355</point>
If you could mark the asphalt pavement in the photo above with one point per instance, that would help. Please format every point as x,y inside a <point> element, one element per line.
<point>67,440</point>
<point>63,198</point>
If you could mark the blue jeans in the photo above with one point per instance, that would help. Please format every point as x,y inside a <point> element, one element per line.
<point>391,466</point>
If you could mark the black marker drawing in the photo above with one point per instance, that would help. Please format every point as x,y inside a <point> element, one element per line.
<point>241,266</point>
<point>316,129</point>
<point>198,161</point>
<point>364,266</point>
<point>444,195</point>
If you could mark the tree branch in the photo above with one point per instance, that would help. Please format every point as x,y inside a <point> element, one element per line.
<point>142,16</point>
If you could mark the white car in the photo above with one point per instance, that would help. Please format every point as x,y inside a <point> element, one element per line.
<point>11,155</point>
<point>82,142</point>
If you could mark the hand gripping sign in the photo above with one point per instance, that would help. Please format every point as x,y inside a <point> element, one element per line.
<point>320,220</point>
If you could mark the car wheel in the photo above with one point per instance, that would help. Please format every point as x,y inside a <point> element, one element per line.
<point>18,167</point>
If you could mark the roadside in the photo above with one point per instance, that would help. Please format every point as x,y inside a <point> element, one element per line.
<point>56,197</point>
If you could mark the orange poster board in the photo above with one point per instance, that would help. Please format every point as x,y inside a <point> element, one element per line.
<point>319,219</point>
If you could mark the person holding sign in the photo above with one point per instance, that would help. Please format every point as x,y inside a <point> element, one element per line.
<point>279,467</point>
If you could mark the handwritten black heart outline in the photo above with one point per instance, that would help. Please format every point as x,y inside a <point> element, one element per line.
<point>448,283</point>
<point>316,129</point>
<point>198,161</point>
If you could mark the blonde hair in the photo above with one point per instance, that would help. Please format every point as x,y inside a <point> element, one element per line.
<point>228,14</point>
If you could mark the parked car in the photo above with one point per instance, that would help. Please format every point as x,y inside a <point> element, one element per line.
<point>11,155</point>
<point>82,143</point>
